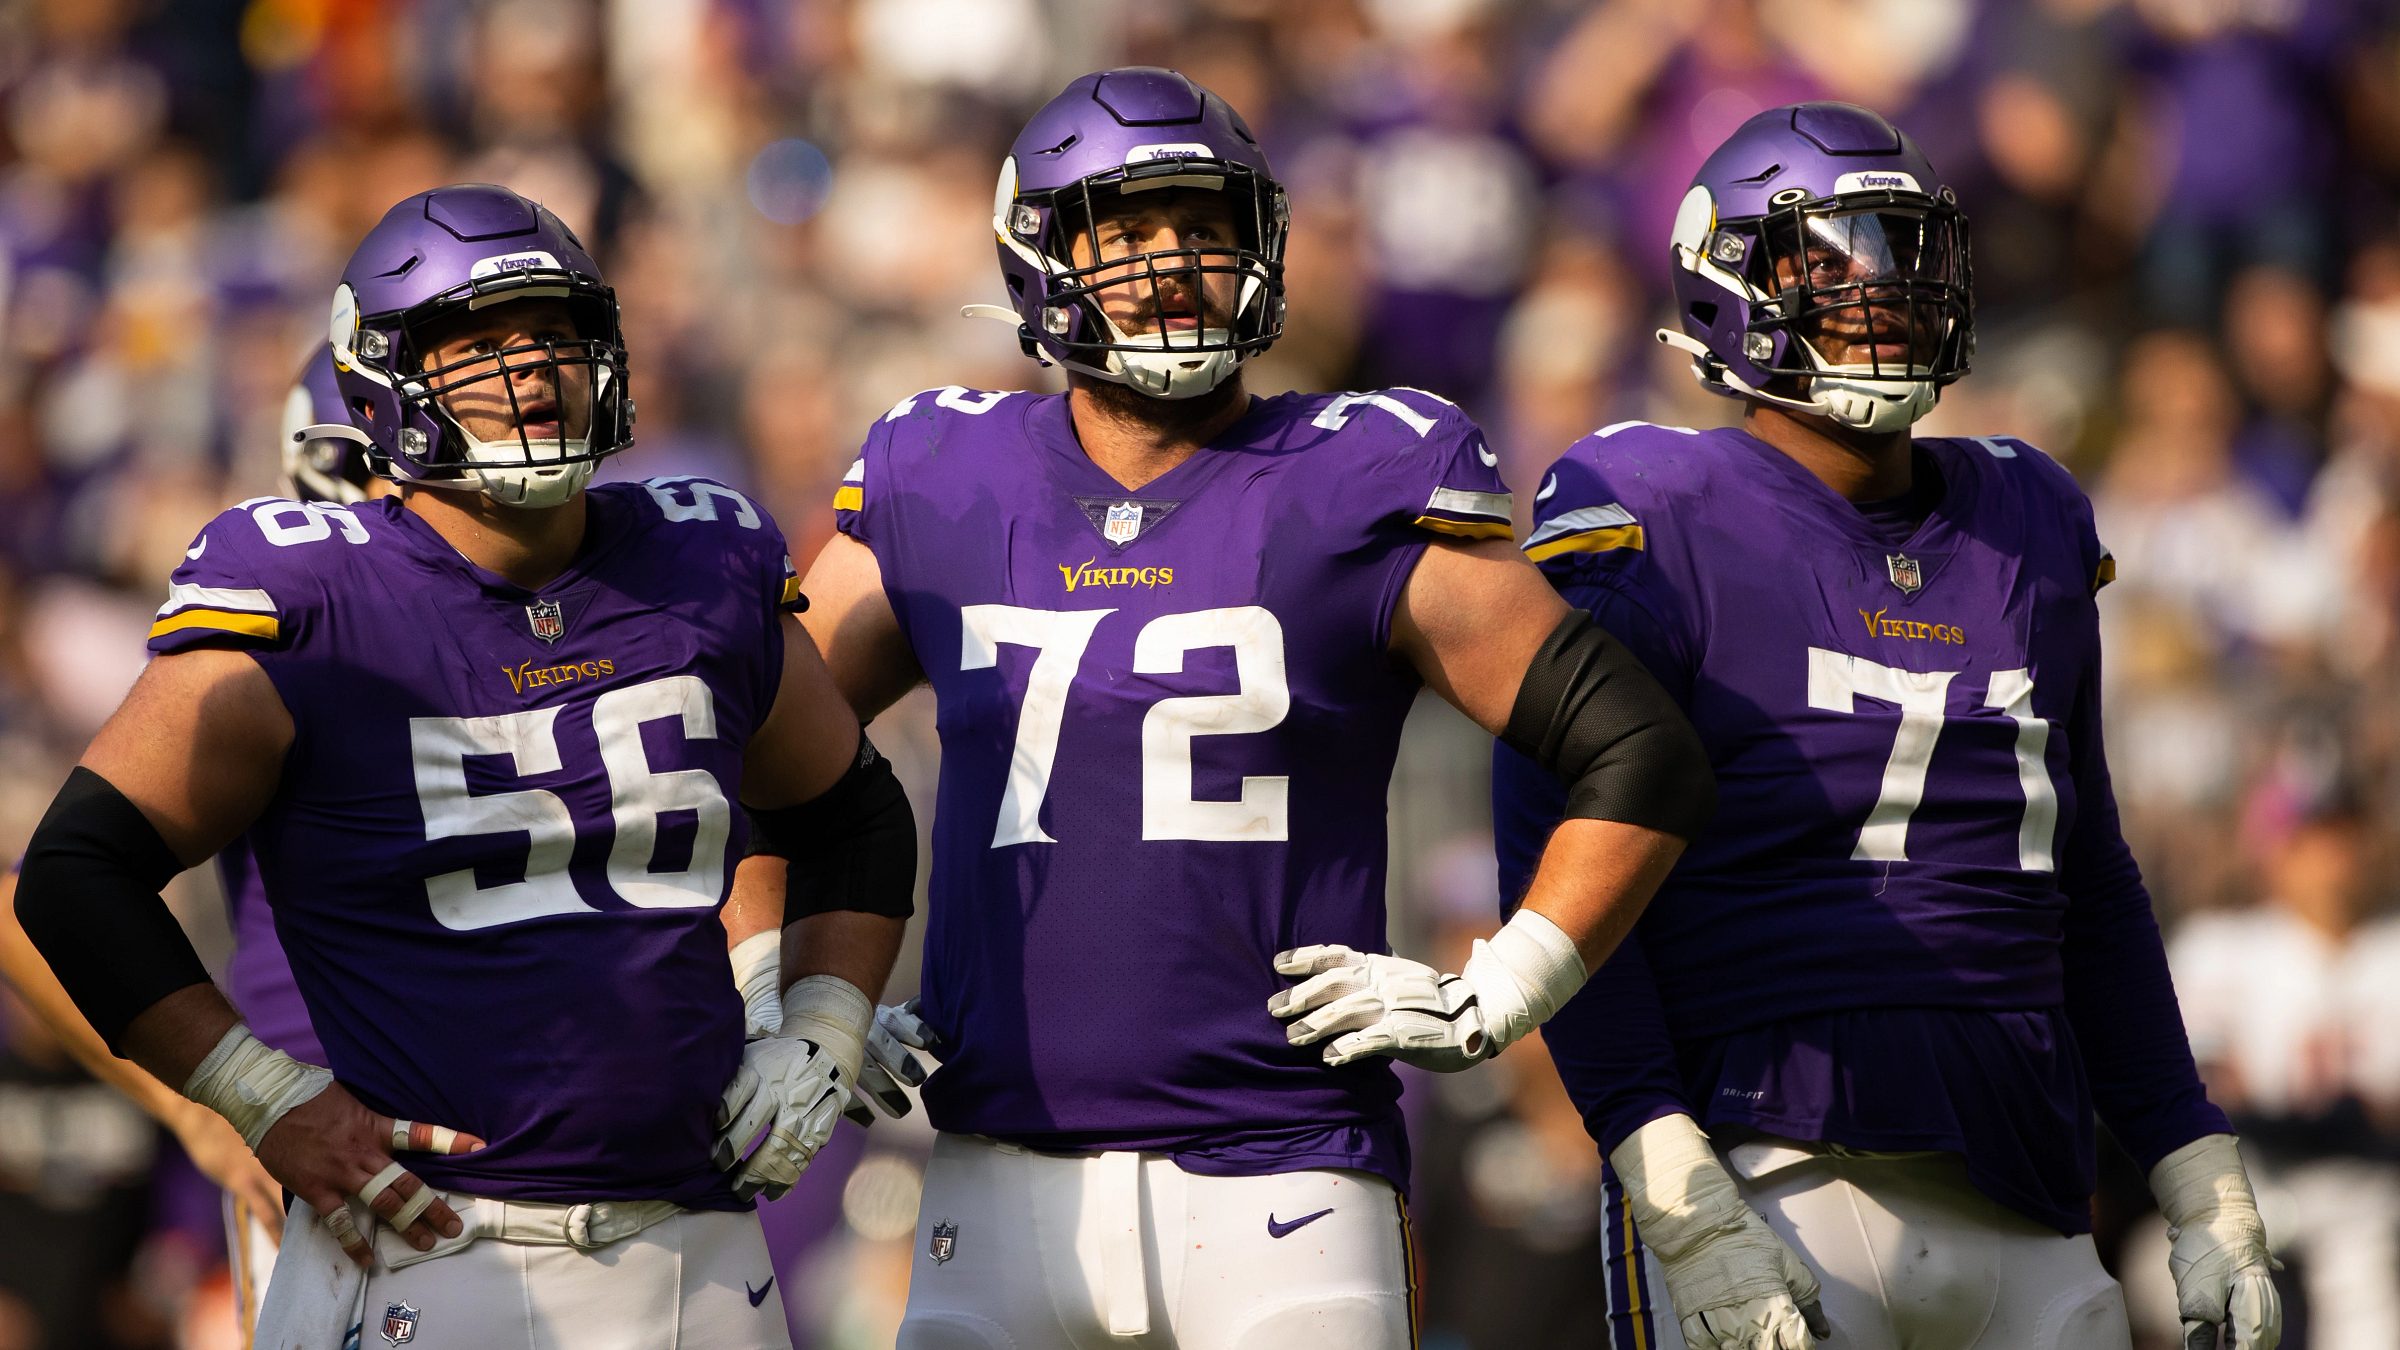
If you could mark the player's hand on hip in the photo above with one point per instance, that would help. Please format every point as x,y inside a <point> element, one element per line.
<point>330,1148</point>
<point>1366,1004</point>
<point>895,1033</point>
<point>2224,1282</point>
<point>1734,1283</point>
<point>216,1148</point>
<point>791,1090</point>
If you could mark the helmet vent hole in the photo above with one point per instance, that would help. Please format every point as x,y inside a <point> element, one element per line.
<point>1762,175</point>
<point>1705,311</point>
<point>1063,146</point>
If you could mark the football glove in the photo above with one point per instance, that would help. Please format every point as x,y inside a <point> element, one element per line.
<point>1734,1283</point>
<point>2219,1257</point>
<point>1390,1005</point>
<point>896,1031</point>
<point>792,1086</point>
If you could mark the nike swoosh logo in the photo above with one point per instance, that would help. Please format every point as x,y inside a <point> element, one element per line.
<point>1484,453</point>
<point>1549,485</point>
<point>196,550</point>
<point>758,1295</point>
<point>1276,1230</point>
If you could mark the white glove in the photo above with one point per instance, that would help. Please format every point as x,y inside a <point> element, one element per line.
<point>1734,1284</point>
<point>758,974</point>
<point>896,1031</point>
<point>1390,1005</point>
<point>792,1086</point>
<point>2219,1257</point>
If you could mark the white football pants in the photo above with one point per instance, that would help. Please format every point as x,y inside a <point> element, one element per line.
<point>700,1280</point>
<point>1913,1256</point>
<point>1127,1251</point>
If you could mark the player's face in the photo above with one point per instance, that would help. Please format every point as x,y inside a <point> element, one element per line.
<point>1160,221</point>
<point>1857,267</point>
<point>496,378</point>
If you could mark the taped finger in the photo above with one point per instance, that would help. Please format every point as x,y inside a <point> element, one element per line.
<point>416,1136</point>
<point>344,1229</point>
<point>414,1207</point>
<point>371,1193</point>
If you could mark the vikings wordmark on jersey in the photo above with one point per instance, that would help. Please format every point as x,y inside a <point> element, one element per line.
<point>507,819</point>
<point>1165,751</point>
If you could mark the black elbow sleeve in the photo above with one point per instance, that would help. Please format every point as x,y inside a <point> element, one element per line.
<point>853,847</point>
<point>1590,713</point>
<point>88,898</point>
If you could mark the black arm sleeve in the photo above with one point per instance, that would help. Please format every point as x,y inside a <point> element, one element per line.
<point>88,898</point>
<point>1592,715</point>
<point>852,847</point>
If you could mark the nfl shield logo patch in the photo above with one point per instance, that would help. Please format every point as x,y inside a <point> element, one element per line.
<point>945,1242</point>
<point>1905,573</point>
<point>399,1323</point>
<point>548,620</point>
<point>1123,523</point>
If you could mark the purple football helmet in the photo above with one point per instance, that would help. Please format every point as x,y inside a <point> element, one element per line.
<point>1107,135</point>
<point>1819,230</point>
<point>439,256</point>
<point>324,457</point>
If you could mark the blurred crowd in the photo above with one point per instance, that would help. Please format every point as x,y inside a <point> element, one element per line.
<point>2186,222</point>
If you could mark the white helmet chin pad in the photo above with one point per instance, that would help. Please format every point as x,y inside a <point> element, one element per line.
<point>1168,373</point>
<point>1853,397</point>
<point>499,470</point>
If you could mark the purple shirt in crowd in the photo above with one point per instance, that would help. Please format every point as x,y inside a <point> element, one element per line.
<point>1913,923</point>
<point>506,820</point>
<point>1168,720</point>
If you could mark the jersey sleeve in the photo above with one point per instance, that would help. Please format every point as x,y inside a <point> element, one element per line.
<point>1605,533</point>
<point>2120,993</point>
<point>1403,468</point>
<point>238,586</point>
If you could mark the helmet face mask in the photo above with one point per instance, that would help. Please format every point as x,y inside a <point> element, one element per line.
<point>480,258</point>
<point>1821,266</point>
<point>1096,154</point>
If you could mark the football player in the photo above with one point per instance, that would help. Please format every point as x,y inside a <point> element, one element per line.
<point>1173,630</point>
<point>484,739</point>
<point>1913,955</point>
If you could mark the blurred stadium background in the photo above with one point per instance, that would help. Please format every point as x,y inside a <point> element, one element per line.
<point>2187,238</point>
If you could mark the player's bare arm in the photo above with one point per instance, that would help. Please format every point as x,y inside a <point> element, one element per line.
<point>189,760</point>
<point>851,620</point>
<point>1483,629</point>
<point>1471,621</point>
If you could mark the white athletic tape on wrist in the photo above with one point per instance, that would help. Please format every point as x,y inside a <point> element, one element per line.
<point>758,974</point>
<point>1525,973</point>
<point>2202,1180</point>
<point>251,1085</point>
<point>1677,1189</point>
<point>832,1012</point>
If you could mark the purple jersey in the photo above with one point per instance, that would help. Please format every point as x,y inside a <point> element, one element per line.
<point>258,976</point>
<point>1913,922</point>
<point>1168,720</point>
<point>506,820</point>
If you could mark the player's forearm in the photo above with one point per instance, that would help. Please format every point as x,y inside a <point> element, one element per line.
<point>856,948</point>
<point>1594,879</point>
<point>172,1036</point>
